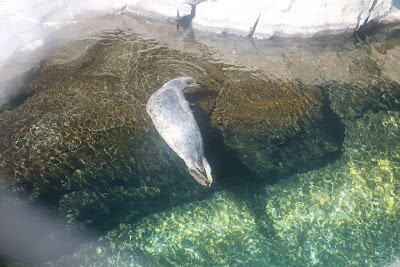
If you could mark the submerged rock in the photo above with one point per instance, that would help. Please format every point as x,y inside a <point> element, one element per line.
<point>84,136</point>
<point>332,216</point>
<point>275,126</point>
<point>220,231</point>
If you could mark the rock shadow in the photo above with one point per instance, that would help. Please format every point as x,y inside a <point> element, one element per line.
<point>226,166</point>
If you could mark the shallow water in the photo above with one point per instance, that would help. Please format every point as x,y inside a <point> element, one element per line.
<point>302,137</point>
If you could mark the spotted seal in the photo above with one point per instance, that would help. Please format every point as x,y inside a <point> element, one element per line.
<point>174,121</point>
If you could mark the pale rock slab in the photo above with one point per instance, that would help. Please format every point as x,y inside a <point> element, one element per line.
<point>25,24</point>
<point>290,17</point>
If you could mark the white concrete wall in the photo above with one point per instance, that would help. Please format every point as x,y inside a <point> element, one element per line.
<point>288,17</point>
<point>24,24</point>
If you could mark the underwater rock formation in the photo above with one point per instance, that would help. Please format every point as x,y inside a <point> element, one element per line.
<point>78,135</point>
<point>275,126</point>
<point>83,135</point>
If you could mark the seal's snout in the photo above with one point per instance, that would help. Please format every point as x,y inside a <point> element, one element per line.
<point>201,171</point>
<point>189,80</point>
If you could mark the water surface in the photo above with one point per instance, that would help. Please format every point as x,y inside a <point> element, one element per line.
<point>302,137</point>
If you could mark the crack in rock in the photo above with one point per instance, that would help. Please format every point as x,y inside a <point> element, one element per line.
<point>185,22</point>
<point>250,34</point>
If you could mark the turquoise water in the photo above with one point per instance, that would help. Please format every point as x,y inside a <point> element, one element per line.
<point>302,136</point>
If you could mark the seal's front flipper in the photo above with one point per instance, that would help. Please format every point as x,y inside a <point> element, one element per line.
<point>199,177</point>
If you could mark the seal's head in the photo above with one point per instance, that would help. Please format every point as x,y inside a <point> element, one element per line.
<point>181,82</point>
<point>200,170</point>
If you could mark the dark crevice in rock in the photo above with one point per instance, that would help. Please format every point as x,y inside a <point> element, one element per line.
<point>371,8</point>
<point>365,32</point>
<point>185,22</point>
<point>253,29</point>
<point>362,23</point>
<point>332,121</point>
<point>225,163</point>
<point>14,90</point>
<point>16,101</point>
<point>228,169</point>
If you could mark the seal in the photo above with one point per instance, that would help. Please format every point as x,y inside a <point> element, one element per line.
<point>174,121</point>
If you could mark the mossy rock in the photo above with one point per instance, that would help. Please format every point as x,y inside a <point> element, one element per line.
<point>353,100</point>
<point>275,126</point>
<point>84,134</point>
<point>216,232</point>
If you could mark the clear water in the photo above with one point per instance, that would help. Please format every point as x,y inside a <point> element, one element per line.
<point>302,135</point>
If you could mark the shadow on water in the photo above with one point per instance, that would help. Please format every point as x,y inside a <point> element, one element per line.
<point>226,166</point>
<point>255,188</point>
<point>230,172</point>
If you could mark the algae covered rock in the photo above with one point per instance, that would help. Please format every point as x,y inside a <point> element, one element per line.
<point>373,82</point>
<point>338,214</point>
<point>219,232</point>
<point>344,213</point>
<point>275,126</point>
<point>354,100</point>
<point>80,133</point>
<point>84,136</point>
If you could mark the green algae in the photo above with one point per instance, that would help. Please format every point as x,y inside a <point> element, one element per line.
<point>390,44</point>
<point>207,234</point>
<point>346,213</point>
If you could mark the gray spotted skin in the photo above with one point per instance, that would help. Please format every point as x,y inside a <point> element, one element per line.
<point>174,121</point>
